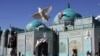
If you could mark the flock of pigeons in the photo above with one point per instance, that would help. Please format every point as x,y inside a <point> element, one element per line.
<point>43,14</point>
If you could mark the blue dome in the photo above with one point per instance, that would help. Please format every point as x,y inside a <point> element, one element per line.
<point>70,14</point>
<point>33,24</point>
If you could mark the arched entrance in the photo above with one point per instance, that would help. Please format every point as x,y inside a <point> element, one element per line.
<point>74,52</point>
<point>49,47</point>
<point>75,47</point>
<point>42,49</point>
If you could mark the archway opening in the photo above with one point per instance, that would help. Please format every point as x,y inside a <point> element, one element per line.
<point>74,52</point>
<point>43,49</point>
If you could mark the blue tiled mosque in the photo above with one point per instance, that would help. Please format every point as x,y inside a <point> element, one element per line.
<point>70,34</point>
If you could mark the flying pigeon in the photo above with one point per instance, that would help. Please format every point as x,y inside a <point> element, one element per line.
<point>43,13</point>
<point>61,14</point>
<point>97,18</point>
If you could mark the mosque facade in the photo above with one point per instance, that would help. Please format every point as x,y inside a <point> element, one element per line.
<point>69,35</point>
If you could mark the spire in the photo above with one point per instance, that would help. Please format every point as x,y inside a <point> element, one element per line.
<point>68,5</point>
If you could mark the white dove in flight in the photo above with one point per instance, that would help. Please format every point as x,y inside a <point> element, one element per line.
<point>43,13</point>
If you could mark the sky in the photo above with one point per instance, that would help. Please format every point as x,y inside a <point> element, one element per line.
<point>18,13</point>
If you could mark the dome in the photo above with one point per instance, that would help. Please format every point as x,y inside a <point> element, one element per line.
<point>69,14</point>
<point>33,24</point>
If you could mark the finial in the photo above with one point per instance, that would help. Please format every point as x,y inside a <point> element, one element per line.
<point>68,5</point>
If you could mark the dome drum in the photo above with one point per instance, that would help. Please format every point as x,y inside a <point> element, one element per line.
<point>69,22</point>
<point>34,24</point>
